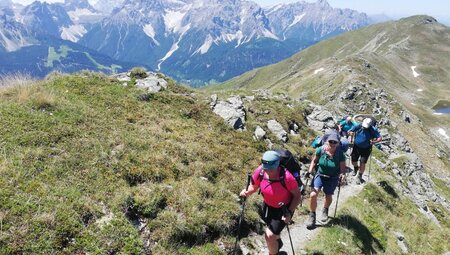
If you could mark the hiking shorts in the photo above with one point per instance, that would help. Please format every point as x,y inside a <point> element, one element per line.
<point>364,153</point>
<point>272,218</point>
<point>328,184</point>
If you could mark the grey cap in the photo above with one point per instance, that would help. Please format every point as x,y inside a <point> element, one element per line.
<point>333,137</point>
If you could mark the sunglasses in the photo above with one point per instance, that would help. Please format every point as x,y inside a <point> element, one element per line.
<point>267,162</point>
<point>332,142</point>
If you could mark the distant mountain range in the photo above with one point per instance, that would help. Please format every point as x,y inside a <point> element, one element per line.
<point>196,42</point>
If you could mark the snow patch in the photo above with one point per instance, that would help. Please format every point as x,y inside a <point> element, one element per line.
<point>413,103</point>
<point>206,45</point>
<point>274,8</point>
<point>13,45</point>
<point>175,46</point>
<point>173,21</point>
<point>415,74</point>
<point>150,32</point>
<point>267,33</point>
<point>296,20</point>
<point>419,90</point>
<point>243,15</point>
<point>75,15</point>
<point>443,133</point>
<point>318,70</point>
<point>73,33</point>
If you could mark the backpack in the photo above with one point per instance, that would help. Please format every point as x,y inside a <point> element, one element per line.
<point>371,130</point>
<point>363,116</point>
<point>320,141</point>
<point>287,162</point>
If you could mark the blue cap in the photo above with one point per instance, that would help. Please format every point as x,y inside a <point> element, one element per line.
<point>333,137</point>
<point>271,160</point>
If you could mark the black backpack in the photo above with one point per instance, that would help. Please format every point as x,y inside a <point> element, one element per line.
<point>287,162</point>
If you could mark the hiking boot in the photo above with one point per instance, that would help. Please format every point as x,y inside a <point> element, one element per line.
<point>324,216</point>
<point>359,179</point>
<point>355,170</point>
<point>311,222</point>
<point>280,244</point>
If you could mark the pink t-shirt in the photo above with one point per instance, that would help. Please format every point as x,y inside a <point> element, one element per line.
<point>274,192</point>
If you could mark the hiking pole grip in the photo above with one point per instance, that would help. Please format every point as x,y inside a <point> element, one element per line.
<point>249,177</point>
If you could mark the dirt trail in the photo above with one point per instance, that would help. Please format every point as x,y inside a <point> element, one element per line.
<point>299,234</point>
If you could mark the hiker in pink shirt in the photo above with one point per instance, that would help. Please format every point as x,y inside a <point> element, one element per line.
<point>277,185</point>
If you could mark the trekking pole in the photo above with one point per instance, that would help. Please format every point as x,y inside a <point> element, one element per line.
<point>238,235</point>
<point>337,199</point>
<point>370,160</point>
<point>286,211</point>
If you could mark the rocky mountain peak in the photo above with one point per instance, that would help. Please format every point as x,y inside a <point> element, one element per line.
<point>72,5</point>
<point>323,3</point>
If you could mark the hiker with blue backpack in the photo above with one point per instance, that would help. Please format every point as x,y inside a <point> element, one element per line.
<point>365,135</point>
<point>329,160</point>
<point>278,187</point>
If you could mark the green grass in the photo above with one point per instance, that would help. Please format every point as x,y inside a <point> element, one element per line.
<point>113,68</point>
<point>358,229</point>
<point>368,223</point>
<point>55,56</point>
<point>84,159</point>
<point>441,185</point>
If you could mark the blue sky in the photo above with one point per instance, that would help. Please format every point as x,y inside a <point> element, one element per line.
<point>440,9</point>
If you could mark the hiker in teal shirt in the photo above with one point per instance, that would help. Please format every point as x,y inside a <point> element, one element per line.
<point>331,168</point>
<point>345,125</point>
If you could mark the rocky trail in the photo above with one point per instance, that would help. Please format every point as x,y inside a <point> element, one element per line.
<point>299,233</point>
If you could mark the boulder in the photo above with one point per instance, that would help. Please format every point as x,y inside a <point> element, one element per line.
<point>152,83</point>
<point>277,130</point>
<point>232,111</point>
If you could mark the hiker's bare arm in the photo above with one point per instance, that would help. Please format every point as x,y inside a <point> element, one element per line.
<point>252,188</point>
<point>376,140</point>
<point>313,164</point>
<point>343,167</point>
<point>296,198</point>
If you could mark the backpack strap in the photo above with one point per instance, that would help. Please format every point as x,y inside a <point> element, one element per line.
<point>282,175</point>
<point>281,178</point>
<point>260,178</point>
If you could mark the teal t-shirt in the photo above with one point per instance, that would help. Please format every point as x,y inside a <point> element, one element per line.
<point>347,126</point>
<point>329,166</point>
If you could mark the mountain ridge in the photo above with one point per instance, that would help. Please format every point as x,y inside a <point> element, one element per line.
<point>196,42</point>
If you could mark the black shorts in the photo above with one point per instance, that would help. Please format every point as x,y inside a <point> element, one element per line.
<point>272,218</point>
<point>364,153</point>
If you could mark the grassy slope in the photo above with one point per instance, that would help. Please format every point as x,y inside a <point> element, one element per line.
<point>82,157</point>
<point>369,223</point>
